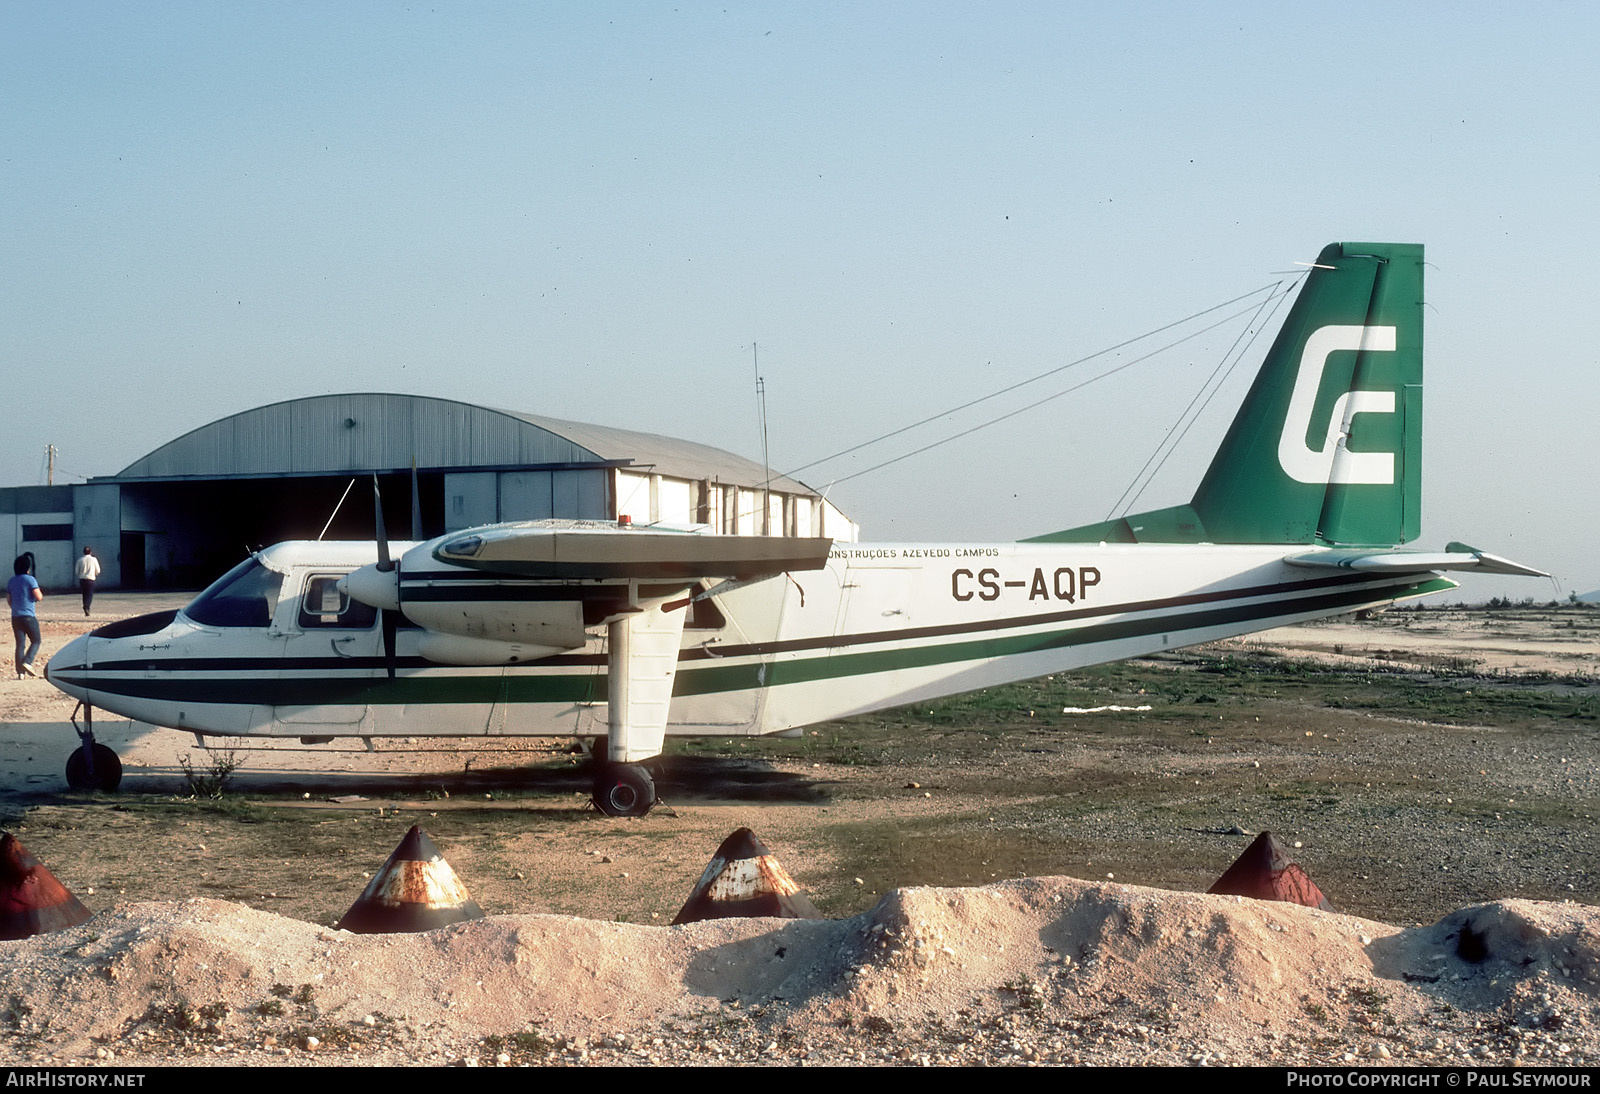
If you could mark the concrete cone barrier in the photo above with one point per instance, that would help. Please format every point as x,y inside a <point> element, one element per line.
<point>415,891</point>
<point>744,879</point>
<point>32,901</point>
<point>1267,872</point>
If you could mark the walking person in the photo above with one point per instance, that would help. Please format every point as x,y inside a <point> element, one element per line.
<point>23,592</point>
<point>88,570</point>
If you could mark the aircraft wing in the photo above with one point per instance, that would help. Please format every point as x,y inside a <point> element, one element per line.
<point>593,550</point>
<point>505,593</point>
<point>1455,556</point>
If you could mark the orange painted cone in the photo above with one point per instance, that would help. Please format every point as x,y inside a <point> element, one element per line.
<point>415,891</point>
<point>32,901</point>
<point>744,879</point>
<point>1266,872</point>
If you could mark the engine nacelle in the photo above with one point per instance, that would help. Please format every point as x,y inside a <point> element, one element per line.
<point>456,649</point>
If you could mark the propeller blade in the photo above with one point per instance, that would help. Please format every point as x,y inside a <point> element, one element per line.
<point>416,505</point>
<point>390,626</point>
<point>385,563</point>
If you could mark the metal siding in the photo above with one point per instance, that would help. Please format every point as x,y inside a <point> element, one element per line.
<point>52,563</point>
<point>97,512</point>
<point>308,436</point>
<point>97,523</point>
<point>526,495</point>
<point>582,494</point>
<point>35,499</point>
<point>666,455</point>
<point>471,499</point>
<point>52,558</point>
<point>388,432</point>
<point>594,494</point>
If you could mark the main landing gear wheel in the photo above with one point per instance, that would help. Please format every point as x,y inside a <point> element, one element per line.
<point>106,774</point>
<point>624,790</point>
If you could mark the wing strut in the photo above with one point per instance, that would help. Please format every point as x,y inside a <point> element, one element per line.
<point>641,662</point>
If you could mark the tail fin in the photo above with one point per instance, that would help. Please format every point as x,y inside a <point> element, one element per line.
<point>1327,448</point>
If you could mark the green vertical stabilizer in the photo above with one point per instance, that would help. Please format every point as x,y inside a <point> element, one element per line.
<point>1327,448</point>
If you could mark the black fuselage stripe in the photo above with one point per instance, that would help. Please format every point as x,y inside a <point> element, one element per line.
<point>835,643</point>
<point>1043,619</point>
<point>500,687</point>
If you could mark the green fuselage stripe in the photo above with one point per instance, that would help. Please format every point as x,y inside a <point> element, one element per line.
<point>698,678</point>
<point>803,670</point>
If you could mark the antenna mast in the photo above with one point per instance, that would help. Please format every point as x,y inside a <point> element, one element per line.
<point>766,463</point>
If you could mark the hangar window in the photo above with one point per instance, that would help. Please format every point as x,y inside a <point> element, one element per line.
<point>38,533</point>
<point>325,606</point>
<point>245,596</point>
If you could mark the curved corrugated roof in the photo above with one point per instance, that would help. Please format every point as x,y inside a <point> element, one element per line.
<point>362,432</point>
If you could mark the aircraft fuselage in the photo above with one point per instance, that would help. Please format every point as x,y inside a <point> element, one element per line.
<point>881,625</point>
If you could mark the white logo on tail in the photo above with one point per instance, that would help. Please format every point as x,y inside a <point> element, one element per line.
<point>1334,462</point>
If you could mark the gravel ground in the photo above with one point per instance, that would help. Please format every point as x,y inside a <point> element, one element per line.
<point>1049,970</point>
<point>1411,818</point>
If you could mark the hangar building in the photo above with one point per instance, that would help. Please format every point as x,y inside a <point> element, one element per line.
<point>184,513</point>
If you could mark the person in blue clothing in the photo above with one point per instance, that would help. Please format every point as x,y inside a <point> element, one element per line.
<point>24,593</point>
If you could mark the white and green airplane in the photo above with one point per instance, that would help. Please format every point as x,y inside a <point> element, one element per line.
<point>624,635</point>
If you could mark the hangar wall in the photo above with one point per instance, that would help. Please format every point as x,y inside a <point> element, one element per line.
<point>97,518</point>
<point>40,519</point>
<point>182,514</point>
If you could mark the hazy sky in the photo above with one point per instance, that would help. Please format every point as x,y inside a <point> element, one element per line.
<point>593,210</point>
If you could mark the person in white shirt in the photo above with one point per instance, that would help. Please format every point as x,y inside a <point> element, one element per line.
<point>88,570</point>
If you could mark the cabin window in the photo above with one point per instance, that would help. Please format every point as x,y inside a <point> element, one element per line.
<point>245,596</point>
<point>323,605</point>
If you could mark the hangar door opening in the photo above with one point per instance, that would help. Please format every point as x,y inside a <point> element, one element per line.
<point>185,534</point>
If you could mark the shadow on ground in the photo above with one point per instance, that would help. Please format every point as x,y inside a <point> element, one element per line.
<point>679,780</point>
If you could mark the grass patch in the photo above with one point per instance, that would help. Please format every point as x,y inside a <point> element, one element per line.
<point>1007,785</point>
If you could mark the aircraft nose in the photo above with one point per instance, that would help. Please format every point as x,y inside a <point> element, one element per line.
<point>72,656</point>
<point>373,587</point>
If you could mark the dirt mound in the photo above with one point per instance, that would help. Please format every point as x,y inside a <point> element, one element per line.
<point>1026,969</point>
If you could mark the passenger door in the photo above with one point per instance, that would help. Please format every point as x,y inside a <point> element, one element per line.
<point>332,652</point>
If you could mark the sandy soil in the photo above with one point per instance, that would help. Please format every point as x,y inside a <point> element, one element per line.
<point>1508,642</point>
<point>1053,969</point>
<point>37,737</point>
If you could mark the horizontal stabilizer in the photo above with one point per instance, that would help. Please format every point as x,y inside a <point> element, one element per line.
<point>1455,556</point>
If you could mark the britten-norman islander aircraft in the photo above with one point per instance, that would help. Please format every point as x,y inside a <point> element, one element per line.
<point>622,635</point>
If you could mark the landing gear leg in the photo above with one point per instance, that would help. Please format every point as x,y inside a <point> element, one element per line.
<point>624,790</point>
<point>92,766</point>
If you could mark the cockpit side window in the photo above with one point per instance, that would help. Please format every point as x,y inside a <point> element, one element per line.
<point>323,605</point>
<point>245,596</point>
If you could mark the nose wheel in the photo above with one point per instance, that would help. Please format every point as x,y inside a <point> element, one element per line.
<point>100,769</point>
<point>624,790</point>
<point>92,766</point>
